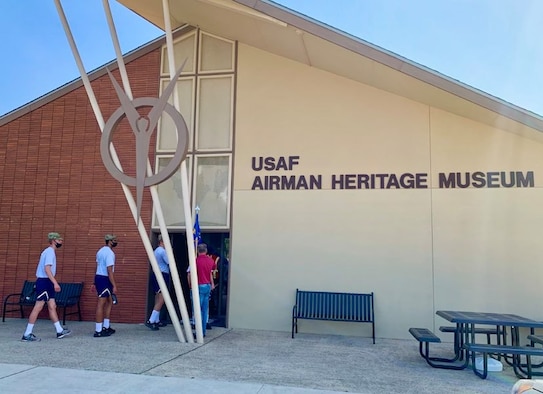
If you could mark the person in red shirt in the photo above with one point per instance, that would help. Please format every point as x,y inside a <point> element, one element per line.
<point>204,268</point>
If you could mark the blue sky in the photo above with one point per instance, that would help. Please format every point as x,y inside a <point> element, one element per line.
<point>492,45</point>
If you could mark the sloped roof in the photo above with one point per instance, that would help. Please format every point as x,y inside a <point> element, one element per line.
<point>279,30</point>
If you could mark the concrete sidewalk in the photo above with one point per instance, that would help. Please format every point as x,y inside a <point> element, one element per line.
<point>138,360</point>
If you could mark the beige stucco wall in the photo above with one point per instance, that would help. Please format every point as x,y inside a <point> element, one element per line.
<point>486,242</point>
<point>419,250</point>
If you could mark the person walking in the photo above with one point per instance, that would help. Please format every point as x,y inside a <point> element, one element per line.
<point>204,270</point>
<point>106,287</point>
<point>46,286</point>
<point>162,259</point>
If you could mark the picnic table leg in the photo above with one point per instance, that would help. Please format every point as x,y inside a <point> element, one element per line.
<point>483,374</point>
<point>519,370</point>
<point>459,341</point>
<point>515,335</point>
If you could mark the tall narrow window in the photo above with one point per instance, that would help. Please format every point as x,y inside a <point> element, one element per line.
<point>171,196</point>
<point>167,136</point>
<point>213,189</point>
<point>215,113</point>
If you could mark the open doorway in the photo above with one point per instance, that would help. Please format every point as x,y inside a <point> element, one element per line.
<point>219,247</point>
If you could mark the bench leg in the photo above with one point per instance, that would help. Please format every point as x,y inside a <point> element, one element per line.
<point>427,357</point>
<point>294,324</point>
<point>442,363</point>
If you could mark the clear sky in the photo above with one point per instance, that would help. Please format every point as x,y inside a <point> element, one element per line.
<point>493,45</point>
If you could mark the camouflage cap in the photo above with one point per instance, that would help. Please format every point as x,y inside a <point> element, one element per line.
<point>110,237</point>
<point>52,236</point>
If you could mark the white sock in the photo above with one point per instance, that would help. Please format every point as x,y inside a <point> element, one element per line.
<point>106,323</point>
<point>29,328</point>
<point>155,317</point>
<point>58,327</point>
<point>98,327</point>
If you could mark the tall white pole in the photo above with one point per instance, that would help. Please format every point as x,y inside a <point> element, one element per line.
<point>99,118</point>
<point>184,187</point>
<point>157,205</point>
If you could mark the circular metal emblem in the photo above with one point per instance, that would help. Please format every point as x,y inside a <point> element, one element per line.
<point>142,135</point>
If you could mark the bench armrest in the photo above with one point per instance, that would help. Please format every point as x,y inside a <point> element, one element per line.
<point>20,295</point>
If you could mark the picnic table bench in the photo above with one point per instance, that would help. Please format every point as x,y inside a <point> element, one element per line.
<point>425,337</point>
<point>536,339</point>
<point>69,296</point>
<point>486,349</point>
<point>333,306</point>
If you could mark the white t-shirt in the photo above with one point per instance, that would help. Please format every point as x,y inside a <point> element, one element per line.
<point>104,258</point>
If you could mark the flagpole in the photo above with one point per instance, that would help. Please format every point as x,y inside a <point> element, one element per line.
<point>197,236</point>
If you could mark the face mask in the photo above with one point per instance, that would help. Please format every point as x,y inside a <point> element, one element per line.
<point>113,244</point>
<point>58,245</point>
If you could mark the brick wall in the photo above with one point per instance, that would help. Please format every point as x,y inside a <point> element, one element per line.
<point>52,179</point>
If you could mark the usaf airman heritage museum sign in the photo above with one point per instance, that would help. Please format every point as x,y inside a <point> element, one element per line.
<point>273,178</point>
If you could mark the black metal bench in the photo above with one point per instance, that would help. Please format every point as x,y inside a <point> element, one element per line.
<point>515,351</point>
<point>69,296</point>
<point>322,305</point>
<point>425,337</point>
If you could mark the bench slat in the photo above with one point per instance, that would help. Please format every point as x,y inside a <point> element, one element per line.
<point>424,335</point>
<point>504,349</point>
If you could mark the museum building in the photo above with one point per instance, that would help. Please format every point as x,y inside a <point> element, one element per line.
<point>318,161</point>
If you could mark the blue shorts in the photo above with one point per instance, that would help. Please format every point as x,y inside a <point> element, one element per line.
<point>45,290</point>
<point>103,285</point>
<point>156,287</point>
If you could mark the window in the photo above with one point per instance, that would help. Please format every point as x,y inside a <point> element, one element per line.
<point>212,190</point>
<point>206,101</point>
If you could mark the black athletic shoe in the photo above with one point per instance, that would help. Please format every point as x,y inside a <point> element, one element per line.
<point>62,334</point>
<point>110,330</point>
<point>30,338</point>
<point>103,333</point>
<point>208,326</point>
<point>161,324</point>
<point>151,326</point>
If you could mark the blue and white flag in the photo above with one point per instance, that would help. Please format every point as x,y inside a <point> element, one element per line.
<point>196,235</point>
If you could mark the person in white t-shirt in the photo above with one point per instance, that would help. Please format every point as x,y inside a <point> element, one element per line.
<point>106,287</point>
<point>46,286</point>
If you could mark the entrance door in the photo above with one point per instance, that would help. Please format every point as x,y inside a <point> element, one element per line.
<point>219,247</point>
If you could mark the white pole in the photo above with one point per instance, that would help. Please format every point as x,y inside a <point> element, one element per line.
<point>99,118</point>
<point>158,208</point>
<point>184,188</point>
